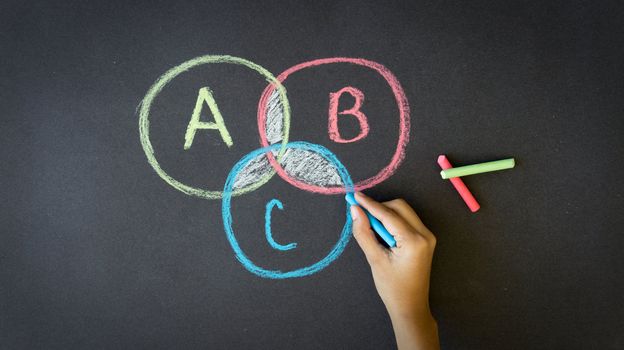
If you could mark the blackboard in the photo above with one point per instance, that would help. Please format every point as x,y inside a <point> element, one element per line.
<point>97,251</point>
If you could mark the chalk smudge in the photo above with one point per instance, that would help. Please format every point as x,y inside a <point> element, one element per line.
<point>275,117</point>
<point>255,170</point>
<point>310,167</point>
<point>305,166</point>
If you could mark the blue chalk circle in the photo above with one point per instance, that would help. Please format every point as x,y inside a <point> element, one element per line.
<point>335,251</point>
<point>267,226</point>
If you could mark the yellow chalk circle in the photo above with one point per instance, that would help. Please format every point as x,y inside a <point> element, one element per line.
<point>155,89</point>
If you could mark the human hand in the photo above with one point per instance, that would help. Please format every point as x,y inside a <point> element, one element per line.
<point>401,274</point>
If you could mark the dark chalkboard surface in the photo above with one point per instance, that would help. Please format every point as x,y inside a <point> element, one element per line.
<point>97,251</point>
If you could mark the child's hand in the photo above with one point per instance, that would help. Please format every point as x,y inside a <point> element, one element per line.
<point>401,274</point>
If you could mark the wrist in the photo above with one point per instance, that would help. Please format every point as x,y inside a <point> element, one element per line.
<point>415,330</point>
<point>421,316</point>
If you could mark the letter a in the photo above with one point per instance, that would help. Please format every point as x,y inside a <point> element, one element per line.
<point>334,98</point>
<point>205,95</point>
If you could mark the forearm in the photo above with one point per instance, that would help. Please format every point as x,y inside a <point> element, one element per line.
<point>401,274</point>
<point>415,332</point>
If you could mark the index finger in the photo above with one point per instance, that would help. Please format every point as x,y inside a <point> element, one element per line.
<point>377,209</point>
<point>404,210</point>
<point>387,216</point>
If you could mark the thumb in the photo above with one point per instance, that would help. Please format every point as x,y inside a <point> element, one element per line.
<point>365,236</point>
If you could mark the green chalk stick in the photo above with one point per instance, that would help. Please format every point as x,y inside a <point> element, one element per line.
<point>478,168</point>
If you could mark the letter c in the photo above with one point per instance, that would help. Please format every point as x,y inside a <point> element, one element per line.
<point>267,226</point>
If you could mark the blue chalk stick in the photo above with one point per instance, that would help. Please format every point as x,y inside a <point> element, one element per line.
<point>375,224</point>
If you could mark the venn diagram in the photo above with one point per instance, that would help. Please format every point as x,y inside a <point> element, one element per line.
<point>308,166</point>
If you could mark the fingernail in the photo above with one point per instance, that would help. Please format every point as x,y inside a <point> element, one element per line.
<point>360,194</point>
<point>354,213</point>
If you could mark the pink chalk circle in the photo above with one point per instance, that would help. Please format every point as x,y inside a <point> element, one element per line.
<point>404,124</point>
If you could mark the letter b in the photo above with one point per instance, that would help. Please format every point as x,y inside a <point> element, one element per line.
<point>334,99</point>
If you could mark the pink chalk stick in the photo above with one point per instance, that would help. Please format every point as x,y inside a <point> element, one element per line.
<point>459,185</point>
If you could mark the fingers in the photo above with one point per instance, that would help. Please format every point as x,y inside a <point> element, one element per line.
<point>397,216</point>
<point>404,210</point>
<point>391,220</point>
<point>377,209</point>
<point>365,236</point>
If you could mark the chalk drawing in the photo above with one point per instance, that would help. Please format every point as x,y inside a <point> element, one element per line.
<point>205,95</point>
<point>312,186</point>
<point>308,166</point>
<point>332,127</point>
<point>336,250</point>
<point>267,225</point>
<point>274,119</point>
<point>162,81</point>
